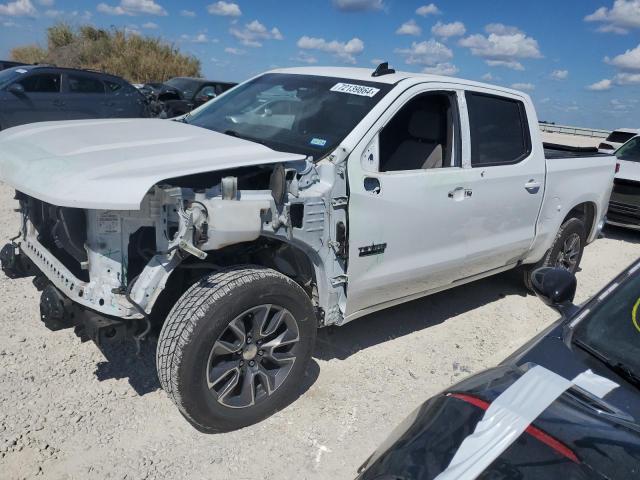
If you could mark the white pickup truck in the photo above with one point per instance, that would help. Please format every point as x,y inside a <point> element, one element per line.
<point>301,198</point>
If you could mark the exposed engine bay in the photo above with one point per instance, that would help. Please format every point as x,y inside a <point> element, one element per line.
<point>119,263</point>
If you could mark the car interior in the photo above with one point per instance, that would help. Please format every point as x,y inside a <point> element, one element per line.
<point>420,136</point>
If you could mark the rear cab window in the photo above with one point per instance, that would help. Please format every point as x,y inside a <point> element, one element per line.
<point>499,130</point>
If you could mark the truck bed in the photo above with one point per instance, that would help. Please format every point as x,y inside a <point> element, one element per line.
<point>553,151</point>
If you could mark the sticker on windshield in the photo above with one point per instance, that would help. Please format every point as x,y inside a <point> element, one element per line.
<point>318,142</point>
<point>21,70</point>
<point>361,90</point>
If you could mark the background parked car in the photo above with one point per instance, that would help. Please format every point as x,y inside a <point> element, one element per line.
<point>182,94</point>
<point>566,405</point>
<point>4,64</point>
<point>35,93</point>
<point>624,206</point>
<point>617,138</point>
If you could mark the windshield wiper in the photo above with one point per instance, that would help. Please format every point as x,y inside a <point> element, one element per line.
<point>615,366</point>
<point>233,133</point>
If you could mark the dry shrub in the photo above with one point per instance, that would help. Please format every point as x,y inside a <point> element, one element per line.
<point>137,58</point>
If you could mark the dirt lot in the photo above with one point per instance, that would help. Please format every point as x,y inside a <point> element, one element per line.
<point>68,410</point>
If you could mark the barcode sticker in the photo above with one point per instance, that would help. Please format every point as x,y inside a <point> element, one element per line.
<point>361,90</point>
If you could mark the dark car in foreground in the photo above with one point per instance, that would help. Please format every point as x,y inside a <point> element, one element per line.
<point>564,406</point>
<point>180,95</point>
<point>624,205</point>
<point>39,93</point>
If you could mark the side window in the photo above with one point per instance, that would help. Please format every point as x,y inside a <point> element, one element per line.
<point>421,135</point>
<point>42,83</point>
<point>84,84</point>
<point>499,130</point>
<point>112,87</point>
<point>630,151</point>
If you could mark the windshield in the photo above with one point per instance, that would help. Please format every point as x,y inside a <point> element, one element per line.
<point>302,114</point>
<point>10,75</point>
<point>612,328</point>
<point>630,151</point>
<point>186,86</point>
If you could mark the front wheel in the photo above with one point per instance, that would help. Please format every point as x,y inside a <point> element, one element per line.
<point>566,250</point>
<point>235,347</point>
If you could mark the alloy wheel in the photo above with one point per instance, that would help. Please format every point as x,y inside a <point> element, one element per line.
<point>253,356</point>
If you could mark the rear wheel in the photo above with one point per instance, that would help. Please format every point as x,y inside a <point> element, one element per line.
<point>235,347</point>
<point>566,250</point>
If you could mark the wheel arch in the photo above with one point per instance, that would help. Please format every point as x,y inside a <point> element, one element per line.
<point>587,212</point>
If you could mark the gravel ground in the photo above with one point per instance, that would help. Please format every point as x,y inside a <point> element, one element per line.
<point>69,410</point>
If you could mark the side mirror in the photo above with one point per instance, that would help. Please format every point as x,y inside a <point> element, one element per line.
<point>16,89</point>
<point>556,287</point>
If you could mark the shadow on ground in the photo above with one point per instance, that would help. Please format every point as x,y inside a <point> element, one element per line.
<point>407,318</point>
<point>140,370</point>
<point>122,362</point>
<point>623,234</point>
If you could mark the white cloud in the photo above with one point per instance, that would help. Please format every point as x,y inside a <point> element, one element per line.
<point>409,28</point>
<point>623,16</point>
<point>560,74</point>
<point>46,3</point>
<point>447,30</point>
<point>304,57</point>
<point>628,61</point>
<point>235,51</point>
<point>10,24</point>
<point>224,9</point>
<point>346,51</point>
<point>198,38</point>
<point>503,46</point>
<point>53,13</point>
<point>133,7</point>
<point>487,77</point>
<point>426,10</point>
<point>187,13</point>
<point>358,5</point>
<point>526,87</point>
<point>442,69</point>
<point>150,25</point>
<point>19,8</point>
<point>600,86</point>
<point>252,34</point>
<point>627,78</point>
<point>428,52</point>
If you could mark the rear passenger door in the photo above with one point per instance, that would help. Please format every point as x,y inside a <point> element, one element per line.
<point>40,102</point>
<point>507,182</point>
<point>84,96</point>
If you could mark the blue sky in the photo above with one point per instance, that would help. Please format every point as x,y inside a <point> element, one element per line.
<point>579,59</point>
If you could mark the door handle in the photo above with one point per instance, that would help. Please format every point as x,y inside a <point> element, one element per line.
<point>532,186</point>
<point>460,193</point>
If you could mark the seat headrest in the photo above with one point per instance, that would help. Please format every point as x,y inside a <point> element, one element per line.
<point>426,125</point>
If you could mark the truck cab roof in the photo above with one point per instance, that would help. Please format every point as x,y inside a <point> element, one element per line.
<point>365,74</point>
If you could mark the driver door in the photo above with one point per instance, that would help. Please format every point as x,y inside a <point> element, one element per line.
<point>410,203</point>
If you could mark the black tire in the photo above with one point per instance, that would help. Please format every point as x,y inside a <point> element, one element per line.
<point>199,320</point>
<point>555,257</point>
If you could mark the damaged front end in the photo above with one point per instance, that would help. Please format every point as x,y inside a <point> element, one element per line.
<point>102,271</point>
